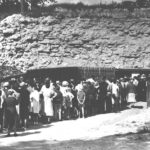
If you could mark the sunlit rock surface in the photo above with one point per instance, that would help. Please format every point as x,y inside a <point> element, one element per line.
<point>46,41</point>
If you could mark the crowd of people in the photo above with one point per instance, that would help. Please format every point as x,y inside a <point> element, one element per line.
<point>30,102</point>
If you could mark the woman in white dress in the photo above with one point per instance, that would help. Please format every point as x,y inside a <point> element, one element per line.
<point>48,95</point>
<point>131,92</point>
<point>35,104</point>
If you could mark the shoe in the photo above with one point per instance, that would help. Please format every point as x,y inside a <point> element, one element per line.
<point>15,134</point>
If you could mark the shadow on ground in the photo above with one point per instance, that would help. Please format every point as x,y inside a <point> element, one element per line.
<point>27,132</point>
<point>20,134</point>
<point>117,142</point>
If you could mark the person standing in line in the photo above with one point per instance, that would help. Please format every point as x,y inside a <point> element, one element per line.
<point>48,95</point>
<point>91,99</point>
<point>115,96</point>
<point>6,87</point>
<point>131,90</point>
<point>14,86</point>
<point>81,102</point>
<point>57,103</point>
<point>68,101</point>
<point>11,112</point>
<point>35,104</point>
<point>97,96</point>
<point>148,91</point>
<point>81,85</point>
<point>142,88</point>
<point>126,81</point>
<point>103,88</point>
<point>122,93</point>
<point>136,83</point>
<point>109,97</point>
<point>74,110</point>
<point>24,105</point>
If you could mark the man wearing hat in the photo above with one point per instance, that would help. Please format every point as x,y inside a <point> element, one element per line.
<point>11,112</point>
<point>4,95</point>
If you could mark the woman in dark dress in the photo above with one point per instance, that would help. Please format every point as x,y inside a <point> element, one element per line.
<point>24,105</point>
<point>11,112</point>
<point>103,93</point>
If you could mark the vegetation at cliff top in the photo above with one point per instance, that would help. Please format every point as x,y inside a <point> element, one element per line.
<point>36,8</point>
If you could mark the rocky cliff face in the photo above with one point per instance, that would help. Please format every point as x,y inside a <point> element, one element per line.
<point>46,41</point>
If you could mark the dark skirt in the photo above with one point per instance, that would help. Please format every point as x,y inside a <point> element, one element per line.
<point>24,112</point>
<point>10,117</point>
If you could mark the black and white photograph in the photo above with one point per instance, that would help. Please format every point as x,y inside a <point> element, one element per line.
<point>74,74</point>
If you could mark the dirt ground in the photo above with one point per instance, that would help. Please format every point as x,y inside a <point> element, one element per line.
<point>101,132</point>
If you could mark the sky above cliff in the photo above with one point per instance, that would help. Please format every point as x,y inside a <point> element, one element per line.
<point>90,2</point>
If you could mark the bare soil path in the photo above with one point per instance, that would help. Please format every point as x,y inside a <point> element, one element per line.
<point>96,133</point>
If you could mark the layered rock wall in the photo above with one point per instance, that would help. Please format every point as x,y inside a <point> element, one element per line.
<point>46,41</point>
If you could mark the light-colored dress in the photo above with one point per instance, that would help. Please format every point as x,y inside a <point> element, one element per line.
<point>48,105</point>
<point>34,99</point>
<point>131,93</point>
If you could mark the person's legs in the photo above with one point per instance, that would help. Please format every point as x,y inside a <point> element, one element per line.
<point>59,112</point>
<point>102,105</point>
<point>8,132</point>
<point>25,123</point>
<point>55,111</point>
<point>36,118</point>
<point>82,110</point>
<point>79,112</point>
<point>48,119</point>
<point>68,113</point>
<point>116,103</point>
<point>15,126</point>
<point>10,122</point>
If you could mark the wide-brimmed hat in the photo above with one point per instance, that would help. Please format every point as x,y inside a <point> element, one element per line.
<point>65,83</point>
